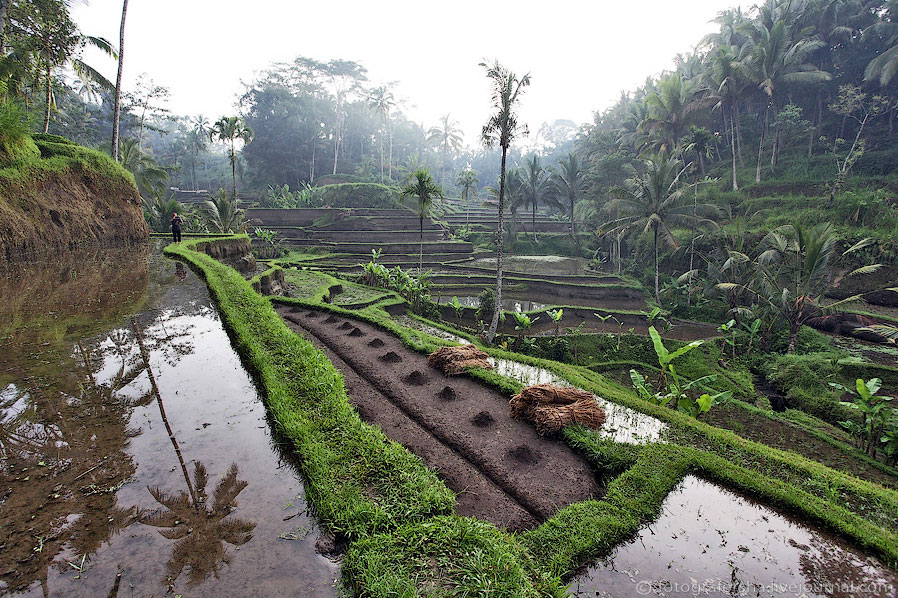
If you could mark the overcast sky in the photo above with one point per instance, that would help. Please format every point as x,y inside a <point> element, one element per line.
<point>580,54</point>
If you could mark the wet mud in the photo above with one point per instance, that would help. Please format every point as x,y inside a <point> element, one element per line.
<point>501,469</point>
<point>136,455</point>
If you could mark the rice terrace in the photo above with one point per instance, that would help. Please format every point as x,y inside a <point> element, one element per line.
<point>401,326</point>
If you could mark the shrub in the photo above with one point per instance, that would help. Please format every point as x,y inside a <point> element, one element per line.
<point>356,195</point>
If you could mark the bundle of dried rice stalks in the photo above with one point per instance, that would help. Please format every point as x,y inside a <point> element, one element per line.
<point>523,405</point>
<point>551,408</point>
<point>454,360</point>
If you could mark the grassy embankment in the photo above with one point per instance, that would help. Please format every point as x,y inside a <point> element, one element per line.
<point>435,551</point>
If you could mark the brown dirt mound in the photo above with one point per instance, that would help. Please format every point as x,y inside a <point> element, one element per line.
<point>524,454</point>
<point>330,320</point>
<point>356,332</point>
<point>522,405</point>
<point>376,343</point>
<point>344,326</point>
<point>551,408</point>
<point>391,357</point>
<point>415,378</point>
<point>454,360</point>
<point>447,394</point>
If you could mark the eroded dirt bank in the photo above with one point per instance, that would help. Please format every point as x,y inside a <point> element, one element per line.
<point>503,471</point>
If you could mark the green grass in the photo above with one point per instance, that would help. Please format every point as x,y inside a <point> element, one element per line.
<point>406,540</point>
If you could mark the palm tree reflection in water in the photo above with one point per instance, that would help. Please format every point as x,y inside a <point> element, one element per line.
<point>200,528</point>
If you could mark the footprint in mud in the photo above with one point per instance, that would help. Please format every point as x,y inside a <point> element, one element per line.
<point>344,326</point>
<point>390,357</point>
<point>483,420</point>
<point>330,320</point>
<point>415,378</point>
<point>523,454</point>
<point>356,332</point>
<point>447,394</point>
<point>376,343</point>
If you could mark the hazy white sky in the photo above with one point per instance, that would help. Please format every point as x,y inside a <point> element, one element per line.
<point>580,54</point>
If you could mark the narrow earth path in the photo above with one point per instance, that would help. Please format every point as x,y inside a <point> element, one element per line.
<point>505,473</point>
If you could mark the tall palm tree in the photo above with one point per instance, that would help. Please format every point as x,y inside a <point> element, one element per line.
<point>382,101</point>
<point>655,200</point>
<point>448,137</point>
<point>502,128</point>
<point>117,105</point>
<point>229,129</point>
<point>568,183</point>
<point>149,176</point>
<point>727,87</point>
<point>775,60</point>
<point>55,42</point>
<point>466,179</point>
<point>425,191</point>
<point>223,215</point>
<point>672,109</point>
<point>535,186</point>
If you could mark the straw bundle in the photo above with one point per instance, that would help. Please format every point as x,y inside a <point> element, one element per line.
<point>551,408</point>
<point>523,404</point>
<point>454,360</point>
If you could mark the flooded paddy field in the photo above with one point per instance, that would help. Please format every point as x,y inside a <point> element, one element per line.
<point>710,541</point>
<point>137,459</point>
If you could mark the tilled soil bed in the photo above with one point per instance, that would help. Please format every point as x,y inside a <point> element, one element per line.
<point>501,469</point>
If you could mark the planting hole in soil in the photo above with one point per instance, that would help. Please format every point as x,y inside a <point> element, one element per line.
<point>415,378</point>
<point>330,320</point>
<point>376,343</point>
<point>447,394</point>
<point>390,357</point>
<point>524,454</point>
<point>356,332</point>
<point>483,420</point>
<point>345,326</point>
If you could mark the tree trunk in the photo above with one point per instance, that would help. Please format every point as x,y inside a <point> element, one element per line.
<point>692,245</point>
<point>381,159</point>
<point>4,10</point>
<point>421,239</point>
<point>739,136</point>
<point>764,123</point>
<point>733,148</point>
<point>234,168</point>
<point>390,159</point>
<point>793,335</point>
<point>117,105</point>
<point>47,97</point>
<point>533,220</point>
<point>494,325</point>
<point>657,288</point>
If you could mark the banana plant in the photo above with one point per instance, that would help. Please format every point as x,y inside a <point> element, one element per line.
<point>457,307</point>
<point>753,330</point>
<point>731,328</point>
<point>576,333</point>
<point>555,315</point>
<point>620,326</point>
<point>875,410</point>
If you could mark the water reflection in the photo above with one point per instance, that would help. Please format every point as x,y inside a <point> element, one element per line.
<point>710,541</point>
<point>201,528</point>
<point>508,304</point>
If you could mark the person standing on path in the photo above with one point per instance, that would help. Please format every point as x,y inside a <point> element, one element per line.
<point>176,222</point>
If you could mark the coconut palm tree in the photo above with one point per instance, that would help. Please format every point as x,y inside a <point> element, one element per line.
<point>672,109</point>
<point>535,186</point>
<point>773,61</point>
<point>795,271</point>
<point>382,101</point>
<point>568,183</point>
<point>655,201</point>
<point>425,191</point>
<point>466,179</point>
<point>448,137</point>
<point>117,105</point>
<point>223,215</point>
<point>229,129</point>
<point>502,128</point>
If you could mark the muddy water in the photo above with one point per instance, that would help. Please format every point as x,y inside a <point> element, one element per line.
<point>536,264</point>
<point>99,493</point>
<point>508,304</point>
<point>709,541</point>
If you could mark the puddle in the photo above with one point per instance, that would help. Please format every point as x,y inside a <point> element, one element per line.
<point>93,474</point>
<point>710,541</point>
<point>535,264</point>
<point>622,424</point>
<point>508,304</point>
<point>409,322</point>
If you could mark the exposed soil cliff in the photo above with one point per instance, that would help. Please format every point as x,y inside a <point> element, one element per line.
<point>68,196</point>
